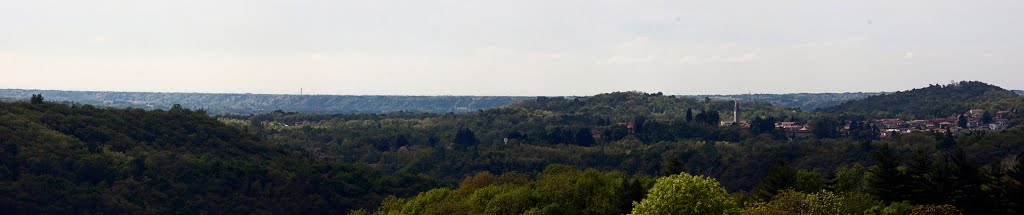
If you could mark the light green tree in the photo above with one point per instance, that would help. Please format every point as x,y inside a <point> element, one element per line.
<point>686,194</point>
<point>436,201</point>
<point>849,178</point>
<point>895,208</point>
<point>793,202</point>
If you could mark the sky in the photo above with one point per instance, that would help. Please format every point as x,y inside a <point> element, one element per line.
<point>522,47</point>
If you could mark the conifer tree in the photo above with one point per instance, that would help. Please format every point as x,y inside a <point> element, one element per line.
<point>672,167</point>
<point>465,137</point>
<point>885,180</point>
<point>36,99</point>
<point>921,191</point>
<point>782,177</point>
<point>584,137</point>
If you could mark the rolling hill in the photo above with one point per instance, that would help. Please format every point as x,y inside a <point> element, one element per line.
<point>64,159</point>
<point>933,101</point>
<point>243,104</point>
<point>261,103</point>
<point>804,101</point>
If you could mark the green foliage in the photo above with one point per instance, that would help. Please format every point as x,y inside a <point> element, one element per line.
<point>798,101</point>
<point>629,191</point>
<point>849,178</point>
<point>622,131</point>
<point>558,190</point>
<point>730,154</point>
<point>857,202</point>
<point>884,179</point>
<point>708,117</point>
<point>824,202</point>
<point>764,125</point>
<point>478,180</point>
<point>686,194</point>
<point>220,103</point>
<point>1010,186</point>
<point>935,210</point>
<point>809,180</point>
<point>465,138</point>
<point>514,201</point>
<point>933,101</point>
<point>181,161</point>
<point>986,117</point>
<point>946,178</point>
<point>895,208</point>
<point>673,167</point>
<point>36,99</point>
<point>584,137</point>
<point>793,202</point>
<point>588,192</point>
<point>60,159</point>
<point>782,178</point>
<point>437,201</point>
<point>826,127</point>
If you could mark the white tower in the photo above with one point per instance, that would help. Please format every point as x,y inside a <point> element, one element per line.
<point>735,112</point>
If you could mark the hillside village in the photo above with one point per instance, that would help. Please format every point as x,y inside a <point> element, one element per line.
<point>972,120</point>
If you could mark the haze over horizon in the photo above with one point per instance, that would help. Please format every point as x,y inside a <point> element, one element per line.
<point>522,48</point>
<point>330,94</point>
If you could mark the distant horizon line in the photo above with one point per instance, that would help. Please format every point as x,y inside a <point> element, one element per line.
<point>438,95</point>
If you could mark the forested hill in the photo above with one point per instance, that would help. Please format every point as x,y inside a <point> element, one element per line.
<point>1019,92</point>
<point>262,103</point>
<point>933,101</point>
<point>219,104</point>
<point>804,101</point>
<point>632,103</point>
<point>63,159</point>
<point>589,155</point>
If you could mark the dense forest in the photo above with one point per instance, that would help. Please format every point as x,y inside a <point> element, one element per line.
<point>79,159</point>
<point>628,131</point>
<point>933,101</point>
<point>262,103</point>
<point>638,134</point>
<point>803,101</point>
<point>218,104</point>
<point>614,153</point>
<point>945,185</point>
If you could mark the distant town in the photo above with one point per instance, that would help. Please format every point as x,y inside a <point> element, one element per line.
<point>971,120</point>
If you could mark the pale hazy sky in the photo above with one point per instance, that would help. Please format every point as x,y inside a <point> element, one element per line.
<point>520,47</point>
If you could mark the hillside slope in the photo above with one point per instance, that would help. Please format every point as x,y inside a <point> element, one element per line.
<point>60,159</point>
<point>639,104</point>
<point>933,101</point>
<point>804,101</point>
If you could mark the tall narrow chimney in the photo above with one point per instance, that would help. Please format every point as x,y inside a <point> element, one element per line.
<point>735,112</point>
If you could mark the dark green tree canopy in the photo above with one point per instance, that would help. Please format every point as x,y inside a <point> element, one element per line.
<point>36,99</point>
